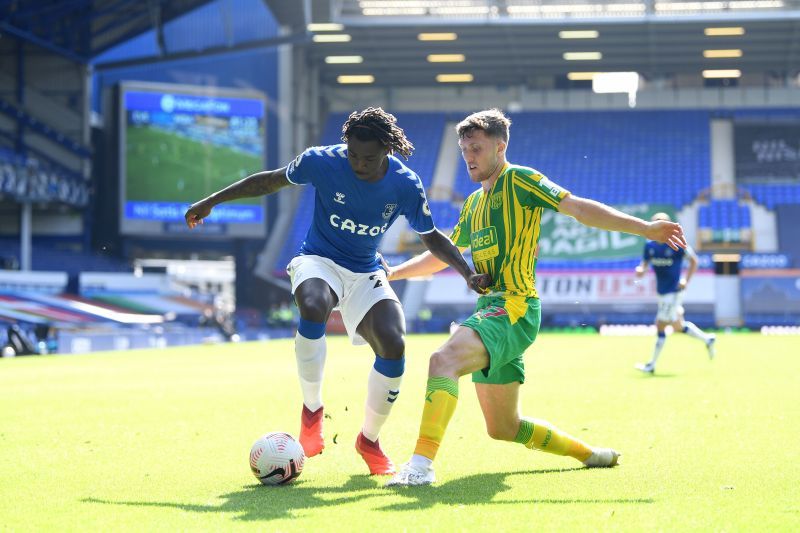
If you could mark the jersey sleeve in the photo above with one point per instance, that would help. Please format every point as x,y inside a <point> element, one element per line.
<point>460,235</point>
<point>415,206</point>
<point>536,190</point>
<point>305,168</point>
<point>645,252</point>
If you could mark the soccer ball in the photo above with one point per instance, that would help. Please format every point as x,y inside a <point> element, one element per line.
<point>276,459</point>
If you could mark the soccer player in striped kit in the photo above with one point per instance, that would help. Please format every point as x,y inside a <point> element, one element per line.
<point>500,222</point>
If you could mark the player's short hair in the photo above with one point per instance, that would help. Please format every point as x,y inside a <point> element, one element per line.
<point>492,121</point>
<point>661,216</point>
<point>375,124</point>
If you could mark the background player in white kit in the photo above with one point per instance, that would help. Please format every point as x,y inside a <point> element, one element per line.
<point>361,189</point>
<point>667,265</point>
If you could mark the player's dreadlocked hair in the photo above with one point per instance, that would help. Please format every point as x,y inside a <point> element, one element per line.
<point>375,124</point>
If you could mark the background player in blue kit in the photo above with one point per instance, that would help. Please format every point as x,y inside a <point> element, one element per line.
<point>361,189</point>
<point>667,265</point>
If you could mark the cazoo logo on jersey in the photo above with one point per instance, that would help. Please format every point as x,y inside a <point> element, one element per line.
<point>345,224</point>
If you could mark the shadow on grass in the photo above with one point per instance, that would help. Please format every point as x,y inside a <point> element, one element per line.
<point>657,375</point>
<point>481,489</point>
<point>256,502</point>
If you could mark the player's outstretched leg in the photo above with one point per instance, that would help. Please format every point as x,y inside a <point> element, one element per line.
<point>311,431</point>
<point>543,436</point>
<point>377,461</point>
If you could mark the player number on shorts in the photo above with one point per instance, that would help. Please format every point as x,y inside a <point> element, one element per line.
<point>378,282</point>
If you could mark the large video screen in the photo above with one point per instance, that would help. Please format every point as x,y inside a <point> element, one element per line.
<point>178,144</point>
<point>767,152</point>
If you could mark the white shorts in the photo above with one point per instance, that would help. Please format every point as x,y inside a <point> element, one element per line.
<point>357,291</point>
<point>669,306</point>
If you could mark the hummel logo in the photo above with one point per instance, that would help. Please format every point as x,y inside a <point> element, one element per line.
<point>339,198</point>
<point>392,396</point>
<point>428,396</point>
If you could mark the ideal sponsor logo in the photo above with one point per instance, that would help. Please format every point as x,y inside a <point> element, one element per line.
<point>484,244</point>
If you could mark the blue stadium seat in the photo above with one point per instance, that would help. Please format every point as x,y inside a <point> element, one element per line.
<point>616,157</point>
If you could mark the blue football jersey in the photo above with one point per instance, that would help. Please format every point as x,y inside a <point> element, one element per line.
<point>667,264</point>
<point>351,215</point>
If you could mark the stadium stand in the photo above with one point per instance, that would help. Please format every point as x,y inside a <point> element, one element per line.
<point>614,157</point>
<point>773,194</point>
<point>725,221</point>
<point>64,255</point>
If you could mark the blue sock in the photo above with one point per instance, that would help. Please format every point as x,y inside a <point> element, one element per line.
<point>391,368</point>
<point>310,330</point>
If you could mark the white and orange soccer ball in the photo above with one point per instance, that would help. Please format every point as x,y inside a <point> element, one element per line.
<point>276,459</point>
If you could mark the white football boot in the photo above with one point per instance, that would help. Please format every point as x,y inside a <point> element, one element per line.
<point>647,368</point>
<point>412,475</point>
<point>602,458</point>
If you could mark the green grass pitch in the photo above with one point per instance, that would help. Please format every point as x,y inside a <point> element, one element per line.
<point>165,167</point>
<point>158,440</point>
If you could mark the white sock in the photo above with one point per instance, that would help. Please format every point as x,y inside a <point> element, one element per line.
<point>693,331</point>
<point>657,349</point>
<point>310,354</point>
<point>420,460</point>
<point>381,394</point>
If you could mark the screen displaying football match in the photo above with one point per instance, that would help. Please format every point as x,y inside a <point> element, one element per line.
<point>178,144</point>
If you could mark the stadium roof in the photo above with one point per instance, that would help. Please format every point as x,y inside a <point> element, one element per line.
<point>82,29</point>
<point>496,42</point>
<point>523,41</point>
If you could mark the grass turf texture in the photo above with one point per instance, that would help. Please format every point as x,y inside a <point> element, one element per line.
<point>166,167</point>
<point>159,440</point>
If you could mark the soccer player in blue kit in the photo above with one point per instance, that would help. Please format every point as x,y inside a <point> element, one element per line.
<point>361,189</point>
<point>667,264</point>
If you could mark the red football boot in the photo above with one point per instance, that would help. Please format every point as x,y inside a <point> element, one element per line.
<point>311,432</point>
<point>372,454</point>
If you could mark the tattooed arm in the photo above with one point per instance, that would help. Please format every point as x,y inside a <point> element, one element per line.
<point>258,184</point>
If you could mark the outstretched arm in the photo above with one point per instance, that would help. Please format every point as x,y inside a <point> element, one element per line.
<point>258,184</point>
<point>441,253</point>
<point>591,213</point>
<point>425,264</point>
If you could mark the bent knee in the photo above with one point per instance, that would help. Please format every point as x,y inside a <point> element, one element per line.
<point>391,345</point>
<point>440,363</point>
<point>315,307</point>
